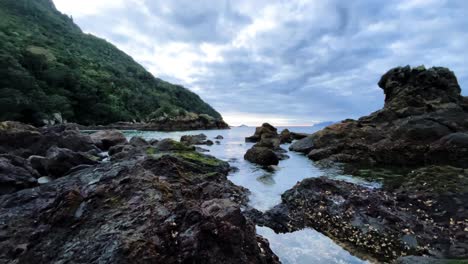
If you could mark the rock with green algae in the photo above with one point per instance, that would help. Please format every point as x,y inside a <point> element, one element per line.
<point>171,206</point>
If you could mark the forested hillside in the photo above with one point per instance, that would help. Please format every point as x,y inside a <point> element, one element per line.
<point>48,65</point>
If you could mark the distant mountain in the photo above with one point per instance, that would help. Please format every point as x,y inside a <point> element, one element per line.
<point>49,67</point>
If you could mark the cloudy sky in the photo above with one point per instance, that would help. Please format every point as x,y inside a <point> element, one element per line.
<point>288,61</point>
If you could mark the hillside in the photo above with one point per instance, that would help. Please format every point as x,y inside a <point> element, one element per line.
<point>48,65</point>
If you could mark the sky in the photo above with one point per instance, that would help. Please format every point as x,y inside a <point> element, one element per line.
<point>287,62</point>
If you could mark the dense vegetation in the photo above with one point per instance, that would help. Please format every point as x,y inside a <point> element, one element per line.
<point>48,65</point>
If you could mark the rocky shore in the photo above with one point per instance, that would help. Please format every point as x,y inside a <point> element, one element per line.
<point>149,202</point>
<point>422,207</point>
<point>191,122</point>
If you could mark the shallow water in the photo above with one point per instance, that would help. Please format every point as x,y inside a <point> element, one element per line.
<point>304,246</point>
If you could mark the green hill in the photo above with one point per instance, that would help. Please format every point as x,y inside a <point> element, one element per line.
<point>48,65</point>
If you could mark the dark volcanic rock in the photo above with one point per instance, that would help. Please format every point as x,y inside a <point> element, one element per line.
<point>425,215</point>
<point>107,138</point>
<point>172,207</point>
<point>138,142</point>
<point>24,140</point>
<point>199,139</point>
<point>422,106</point>
<point>59,161</point>
<point>285,136</point>
<point>172,145</point>
<point>303,145</point>
<point>264,131</point>
<point>262,156</point>
<point>16,174</point>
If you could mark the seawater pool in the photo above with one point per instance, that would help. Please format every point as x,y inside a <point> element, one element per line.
<point>300,247</point>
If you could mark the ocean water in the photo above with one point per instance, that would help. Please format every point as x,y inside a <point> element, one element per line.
<point>300,247</point>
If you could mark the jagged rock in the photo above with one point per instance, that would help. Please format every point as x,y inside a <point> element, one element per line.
<point>15,174</point>
<point>304,145</point>
<point>38,163</point>
<point>138,142</point>
<point>421,107</point>
<point>262,156</point>
<point>172,145</point>
<point>105,139</point>
<point>25,140</point>
<point>285,136</point>
<point>178,207</point>
<point>199,139</point>
<point>59,161</point>
<point>265,131</point>
<point>297,136</point>
<point>219,137</point>
<point>425,214</point>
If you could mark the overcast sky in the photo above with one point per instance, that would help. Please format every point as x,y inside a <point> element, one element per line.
<point>286,62</point>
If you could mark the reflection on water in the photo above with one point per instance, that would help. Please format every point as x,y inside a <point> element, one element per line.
<point>305,246</point>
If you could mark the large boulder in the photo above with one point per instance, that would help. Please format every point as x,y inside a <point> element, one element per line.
<point>173,208</point>
<point>16,174</point>
<point>172,145</point>
<point>25,140</point>
<point>422,106</point>
<point>105,139</point>
<point>303,145</point>
<point>59,161</point>
<point>199,139</point>
<point>262,156</point>
<point>264,131</point>
<point>425,214</point>
<point>285,136</point>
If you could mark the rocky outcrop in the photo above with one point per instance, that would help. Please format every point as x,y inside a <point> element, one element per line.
<point>262,156</point>
<point>161,203</point>
<point>264,131</point>
<point>267,150</point>
<point>108,138</point>
<point>424,121</point>
<point>16,174</point>
<point>199,139</point>
<point>184,123</point>
<point>426,215</point>
<point>24,140</point>
<point>59,161</point>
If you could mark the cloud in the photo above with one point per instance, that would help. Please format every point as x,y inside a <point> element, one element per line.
<point>294,62</point>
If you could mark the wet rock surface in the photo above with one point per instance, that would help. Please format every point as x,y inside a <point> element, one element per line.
<point>267,150</point>
<point>106,139</point>
<point>199,139</point>
<point>424,121</point>
<point>152,203</point>
<point>425,215</point>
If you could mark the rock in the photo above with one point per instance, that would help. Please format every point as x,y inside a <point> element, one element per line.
<point>107,138</point>
<point>199,149</point>
<point>297,136</point>
<point>218,142</point>
<point>172,145</point>
<point>119,148</point>
<point>59,161</point>
<point>199,139</point>
<point>38,163</point>
<point>285,136</point>
<point>174,208</point>
<point>304,145</point>
<point>422,214</point>
<point>261,156</point>
<point>265,131</point>
<point>219,137</point>
<point>138,142</point>
<point>153,142</point>
<point>16,174</point>
<point>25,140</point>
<point>422,106</point>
